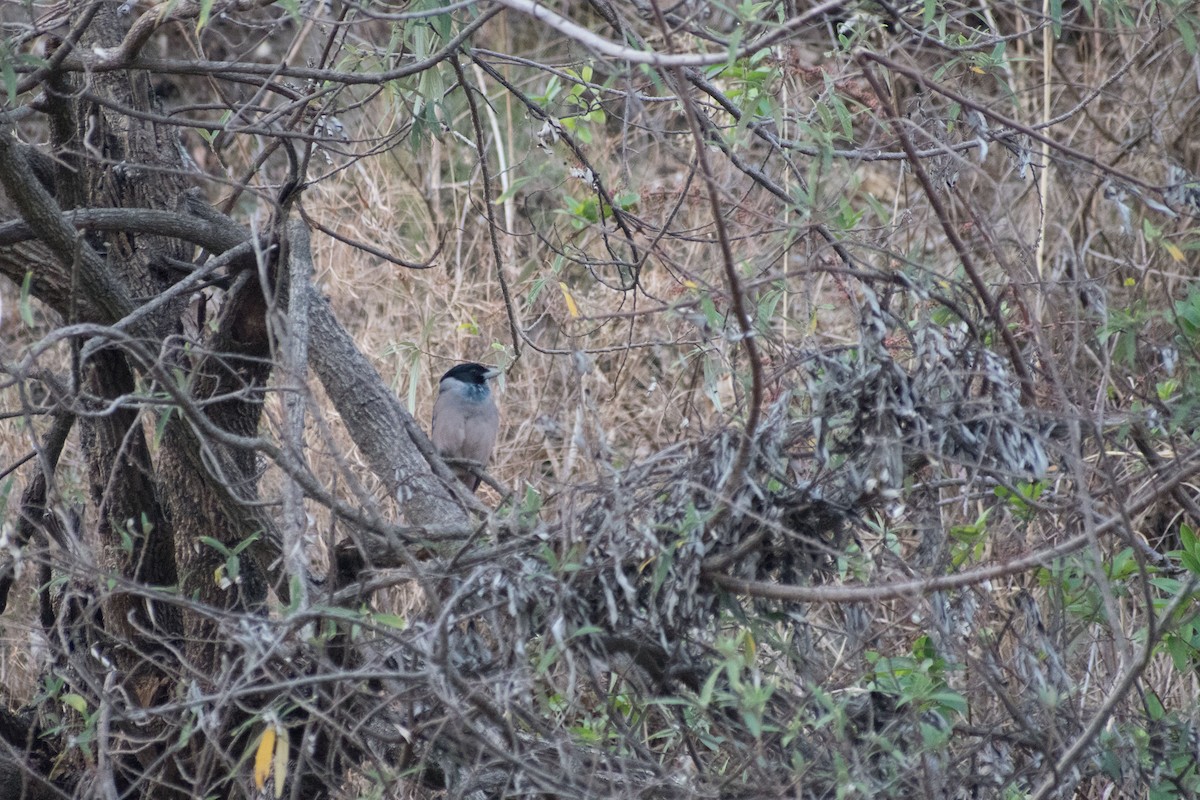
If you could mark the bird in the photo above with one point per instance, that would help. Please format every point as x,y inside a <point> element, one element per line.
<point>466,418</point>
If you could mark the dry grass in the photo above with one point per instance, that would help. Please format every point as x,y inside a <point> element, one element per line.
<point>608,379</point>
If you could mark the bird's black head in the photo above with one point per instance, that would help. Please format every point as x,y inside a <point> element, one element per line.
<point>471,373</point>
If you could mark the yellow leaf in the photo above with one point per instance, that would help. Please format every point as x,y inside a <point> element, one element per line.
<point>281,761</point>
<point>1174,250</point>
<point>262,758</point>
<point>977,70</point>
<point>571,307</point>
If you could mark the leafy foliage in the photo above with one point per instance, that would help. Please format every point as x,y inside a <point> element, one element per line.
<point>851,404</point>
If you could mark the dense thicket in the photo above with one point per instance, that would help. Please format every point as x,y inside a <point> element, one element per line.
<point>849,437</point>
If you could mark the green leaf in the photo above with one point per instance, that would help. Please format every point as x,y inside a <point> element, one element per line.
<point>443,25</point>
<point>160,425</point>
<point>244,543</point>
<point>5,491</point>
<point>1180,652</point>
<point>1186,33</point>
<point>215,544</point>
<point>1056,14</point>
<point>292,7</point>
<point>26,308</point>
<point>512,189</point>
<point>767,304</point>
<point>627,200</point>
<point>753,722</point>
<point>126,540</point>
<point>950,700</point>
<point>706,691</point>
<point>392,621</point>
<point>548,659</point>
<point>295,587</point>
<point>1187,535</point>
<point>531,504</point>
<point>202,17</point>
<point>535,289</point>
<point>76,702</point>
<point>1154,707</point>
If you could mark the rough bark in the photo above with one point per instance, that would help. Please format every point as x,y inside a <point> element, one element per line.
<point>122,161</point>
<point>376,420</point>
<point>98,228</point>
<point>228,386</point>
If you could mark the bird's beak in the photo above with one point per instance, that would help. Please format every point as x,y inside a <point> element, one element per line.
<point>492,373</point>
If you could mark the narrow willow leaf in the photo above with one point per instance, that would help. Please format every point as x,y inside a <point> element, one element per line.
<point>262,758</point>
<point>280,765</point>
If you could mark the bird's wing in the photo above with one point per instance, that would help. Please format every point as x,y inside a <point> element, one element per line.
<point>449,425</point>
<point>479,434</point>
